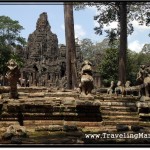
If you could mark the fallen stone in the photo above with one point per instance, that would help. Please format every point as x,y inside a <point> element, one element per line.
<point>122,127</point>
<point>7,136</point>
<point>20,133</point>
<point>68,101</point>
<point>144,98</point>
<point>11,130</point>
<point>49,128</point>
<point>97,103</point>
<point>4,89</point>
<point>16,140</point>
<point>55,128</point>
<point>17,130</point>
<point>36,95</point>
<point>86,97</point>
<point>84,102</point>
<point>136,128</point>
<point>69,128</point>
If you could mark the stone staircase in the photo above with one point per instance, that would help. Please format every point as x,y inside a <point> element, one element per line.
<point>45,108</point>
<point>119,110</point>
<point>41,110</point>
<point>68,107</point>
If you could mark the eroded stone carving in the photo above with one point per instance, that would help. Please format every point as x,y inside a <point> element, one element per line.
<point>119,89</point>
<point>41,55</point>
<point>128,88</point>
<point>45,61</point>
<point>143,77</point>
<point>13,75</point>
<point>86,84</point>
<point>111,88</point>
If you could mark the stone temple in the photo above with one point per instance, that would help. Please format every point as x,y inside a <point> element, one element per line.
<point>45,61</point>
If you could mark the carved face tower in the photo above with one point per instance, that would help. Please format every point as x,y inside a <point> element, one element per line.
<point>42,43</point>
<point>44,60</point>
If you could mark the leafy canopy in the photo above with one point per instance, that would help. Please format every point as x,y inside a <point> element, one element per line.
<point>9,39</point>
<point>108,12</point>
<point>10,31</point>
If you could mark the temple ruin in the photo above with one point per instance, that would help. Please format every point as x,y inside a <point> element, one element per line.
<point>45,115</point>
<point>45,61</point>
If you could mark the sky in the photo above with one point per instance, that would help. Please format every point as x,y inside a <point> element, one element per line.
<point>84,23</point>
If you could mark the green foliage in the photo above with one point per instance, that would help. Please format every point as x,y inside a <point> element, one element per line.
<point>108,12</point>
<point>132,66</point>
<point>104,57</point>
<point>10,31</point>
<point>134,62</point>
<point>87,48</point>
<point>93,52</point>
<point>5,55</point>
<point>18,60</point>
<point>109,67</point>
<point>9,39</point>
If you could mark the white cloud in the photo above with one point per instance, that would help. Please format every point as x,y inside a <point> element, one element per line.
<point>115,24</point>
<point>135,46</point>
<point>111,25</point>
<point>79,31</point>
<point>139,27</point>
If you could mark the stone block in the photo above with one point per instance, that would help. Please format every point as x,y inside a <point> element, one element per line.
<point>7,136</point>
<point>49,128</point>
<point>136,128</point>
<point>16,140</point>
<point>69,128</point>
<point>68,101</point>
<point>36,95</point>
<point>122,127</point>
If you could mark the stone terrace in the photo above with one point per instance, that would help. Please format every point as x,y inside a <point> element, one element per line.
<point>46,110</point>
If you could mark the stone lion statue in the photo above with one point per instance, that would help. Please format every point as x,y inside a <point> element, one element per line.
<point>143,77</point>
<point>128,88</point>
<point>119,88</point>
<point>111,88</point>
<point>13,75</point>
<point>86,83</point>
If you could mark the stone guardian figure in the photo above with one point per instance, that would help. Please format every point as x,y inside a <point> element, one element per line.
<point>86,84</point>
<point>143,77</point>
<point>110,90</point>
<point>13,75</point>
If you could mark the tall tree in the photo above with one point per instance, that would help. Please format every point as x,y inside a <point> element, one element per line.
<point>123,42</point>
<point>123,13</point>
<point>10,32</point>
<point>9,38</point>
<point>71,70</point>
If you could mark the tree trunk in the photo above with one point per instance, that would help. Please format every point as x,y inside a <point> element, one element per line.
<point>123,42</point>
<point>71,70</point>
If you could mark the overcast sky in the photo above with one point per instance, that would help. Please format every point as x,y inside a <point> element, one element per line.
<point>27,16</point>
